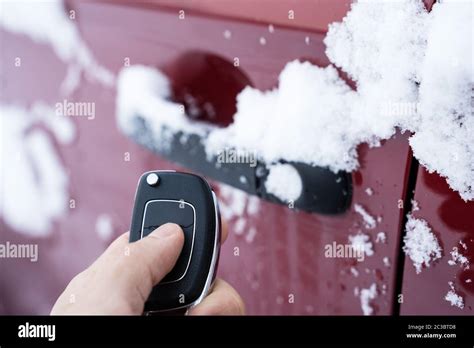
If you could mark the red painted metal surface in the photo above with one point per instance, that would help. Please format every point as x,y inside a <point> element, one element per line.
<point>451,220</point>
<point>281,269</point>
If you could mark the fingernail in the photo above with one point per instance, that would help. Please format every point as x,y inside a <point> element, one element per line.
<point>165,230</point>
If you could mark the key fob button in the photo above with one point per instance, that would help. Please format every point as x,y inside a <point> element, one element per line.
<point>152,179</point>
<point>159,212</point>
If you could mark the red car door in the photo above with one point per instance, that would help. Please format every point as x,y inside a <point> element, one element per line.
<point>280,266</point>
<point>274,255</point>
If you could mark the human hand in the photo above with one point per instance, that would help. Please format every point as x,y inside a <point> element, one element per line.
<point>121,279</point>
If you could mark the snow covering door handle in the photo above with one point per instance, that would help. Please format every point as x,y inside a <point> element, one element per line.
<point>321,190</point>
<point>147,115</point>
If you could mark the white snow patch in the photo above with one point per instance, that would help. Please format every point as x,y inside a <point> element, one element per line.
<point>458,259</point>
<point>361,242</point>
<point>381,238</point>
<point>104,226</point>
<point>249,238</point>
<point>233,202</point>
<point>369,191</point>
<point>369,221</point>
<point>33,181</point>
<point>421,245</point>
<point>239,226</point>
<point>47,22</point>
<point>386,261</point>
<point>303,120</point>
<point>354,272</point>
<point>415,206</point>
<point>284,182</point>
<point>443,141</point>
<point>412,46</point>
<point>234,205</point>
<point>366,296</point>
<point>380,45</point>
<point>454,298</point>
<point>253,205</point>
<point>468,281</point>
<point>145,91</point>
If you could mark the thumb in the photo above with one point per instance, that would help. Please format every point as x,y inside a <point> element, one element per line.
<point>152,257</point>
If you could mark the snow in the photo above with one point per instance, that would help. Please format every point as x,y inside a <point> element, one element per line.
<point>421,245</point>
<point>369,191</point>
<point>381,238</point>
<point>361,243</point>
<point>443,141</point>
<point>453,298</point>
<point>412,46</point>
<point>366,296</point>
<point>308,113</point>
<point>414,205</point>
<point>413,72</point>
<point>458,259</point>
<point>249,238</point>
<point>47,22</point>
<point>386,261</point>
<point>369,221</point>
<point>239,226</point>
<point>33,181</point>
<point>380,45</point>
<point>145,91</point>
<point>104,227</point>
<point>284,182</point>
<point>232,203</point>
<point>253,205</point>
<point>354,272</point>
<point>235,206</point>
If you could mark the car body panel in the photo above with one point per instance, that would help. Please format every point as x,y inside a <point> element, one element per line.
<point>274,255</point>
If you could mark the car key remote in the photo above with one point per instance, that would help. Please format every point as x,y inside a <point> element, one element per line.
<point>187,200</point>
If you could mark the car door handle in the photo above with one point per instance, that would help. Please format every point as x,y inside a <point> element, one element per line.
<point>322,191</point>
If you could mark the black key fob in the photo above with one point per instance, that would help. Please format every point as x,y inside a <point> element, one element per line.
<point>187,200</point>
